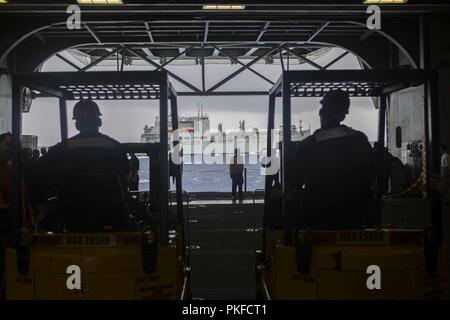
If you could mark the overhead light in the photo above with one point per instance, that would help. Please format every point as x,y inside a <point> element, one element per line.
<point>3,1</point>
<point>385,1</point>
<point>99,1</point>
<point>223,7</point>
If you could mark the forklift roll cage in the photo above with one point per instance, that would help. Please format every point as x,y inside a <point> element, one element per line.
<point>108,85</point>
<point>134,85</point>
<point>358,83</point>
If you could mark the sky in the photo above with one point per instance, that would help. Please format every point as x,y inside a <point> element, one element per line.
<point>125,120</point>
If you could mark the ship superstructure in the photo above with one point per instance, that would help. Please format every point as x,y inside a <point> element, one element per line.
<point>197,137</point>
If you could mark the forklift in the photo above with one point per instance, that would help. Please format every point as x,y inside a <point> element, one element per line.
<point>402,242</point>
<point>148,261</point>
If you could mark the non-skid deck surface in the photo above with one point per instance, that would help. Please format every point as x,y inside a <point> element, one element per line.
<point>223,244</point>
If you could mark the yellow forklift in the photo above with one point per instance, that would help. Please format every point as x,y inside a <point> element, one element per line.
<point>392,257</point>
<point>147,261</point>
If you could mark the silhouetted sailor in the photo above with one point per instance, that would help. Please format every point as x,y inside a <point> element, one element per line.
<point>333,170</point>
<point>90,172</point>
<point>236,174</point>
<point>134,172</point>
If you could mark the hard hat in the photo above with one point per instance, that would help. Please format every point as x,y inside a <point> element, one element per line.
<point>86,109</point>
<point>337,101</point>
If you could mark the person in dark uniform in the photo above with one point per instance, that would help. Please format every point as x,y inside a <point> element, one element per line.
<point>36,155</point>
<point>387,162</point>
<point>237,175</point>
<point>88,174</point>
<point>134,172</point>
<point>43,152</point>
<point>333,171</point>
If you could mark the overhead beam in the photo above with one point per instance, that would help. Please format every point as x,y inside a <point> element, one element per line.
<point>92,64</point>
<point>315,34</point>
<point>287,60</point>
<point>244,65</point>
<point>336,59</point>
<point>148,52</point>
<point>366,34</point>
<point>117,61</point>
<point>184,82</point>
<point>263,30</point>
<point>205,36</point>
<point>203,69</point>
<point>215,53</point>
<point>122,63</point>
<point>250,52</point>
<point>149,31</point>
<point>187,50</point>
<point>68,62</point>
<point>226,93</point>
<point>234,74</point>
<point>93,34</point>
<point>299,56</point>
<point>40,36</point>
<point>280,52</point>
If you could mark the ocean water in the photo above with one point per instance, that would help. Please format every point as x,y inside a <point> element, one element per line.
<point>204,177</point>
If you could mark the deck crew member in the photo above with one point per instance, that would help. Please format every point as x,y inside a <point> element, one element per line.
<point>90,172</point>
<point>134,172</point>
<point>333,171</point>
<point>43,152</point>
<point>237,174</point>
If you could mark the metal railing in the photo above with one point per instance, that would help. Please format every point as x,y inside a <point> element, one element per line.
<point>187,232</point>
<point>255,230</point>
<point>186,244</point>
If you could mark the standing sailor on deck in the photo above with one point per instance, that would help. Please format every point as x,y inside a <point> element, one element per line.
<point>237,174</point>
<point>134,172</point>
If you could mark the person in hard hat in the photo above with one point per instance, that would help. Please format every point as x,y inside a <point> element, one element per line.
<point>88,173</point>
<point>237,175</point>
<point>333,171</point>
